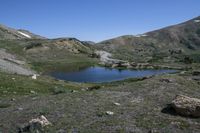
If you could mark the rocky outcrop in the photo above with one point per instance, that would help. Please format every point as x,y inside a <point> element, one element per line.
<point>13,68</point>
<point>106,59</point>
<point>133,65</point>
<point>186,106</point>
<point>9,63</point>
<point>42,121</point>
<point>72,45</point>
<point>35,125</point>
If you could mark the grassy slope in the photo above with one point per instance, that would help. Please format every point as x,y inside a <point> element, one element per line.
<point>10,33</point>
<point>47,56</point>
<point>141,106</point>
<point>11,84</point>
<point>169,44</point>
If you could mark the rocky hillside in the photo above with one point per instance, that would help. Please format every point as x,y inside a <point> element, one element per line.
<point>167,44</point>
<point>33,41</point>
<point>46,54</point>
<point>41,54</point>
<point>10,33</point>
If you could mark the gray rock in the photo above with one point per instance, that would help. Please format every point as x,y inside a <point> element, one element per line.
<point>166,80</point>
<point>109,113</point>
<point>13,99</point>
<point>186,106</point>
<point>20,109</point>
<point>35,125</point>
<point>117,104</point>
<point>32,92</point>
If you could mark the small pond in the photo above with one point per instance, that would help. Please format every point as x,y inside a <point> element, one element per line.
<point>102,74</point>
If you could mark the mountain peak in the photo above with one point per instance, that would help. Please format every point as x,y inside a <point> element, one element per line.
<point>7,33</point>
<point>179,38</point>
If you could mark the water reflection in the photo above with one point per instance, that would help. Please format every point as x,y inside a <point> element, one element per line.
<point>103,74</point>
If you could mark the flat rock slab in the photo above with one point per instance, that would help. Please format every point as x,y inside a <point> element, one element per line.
<point>14,68</point>
<point>186,106</point>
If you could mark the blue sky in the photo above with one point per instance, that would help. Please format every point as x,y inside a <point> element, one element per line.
<point>95,20</point>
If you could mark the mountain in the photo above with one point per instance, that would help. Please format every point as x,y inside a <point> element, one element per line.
<point>41,54</point>
<point>165,44</point>
<point>37,43</point>
<point>173,44</point>
<point>10,33</point>
<point>72,44</point>
<point>89,42</point>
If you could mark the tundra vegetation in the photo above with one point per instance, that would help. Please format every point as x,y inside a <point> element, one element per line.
<point>36,102</point>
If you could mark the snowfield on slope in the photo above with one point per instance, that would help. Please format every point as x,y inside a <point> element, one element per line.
<point>26,35</point>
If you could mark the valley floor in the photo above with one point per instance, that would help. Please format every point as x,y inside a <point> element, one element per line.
<point>138,105</point>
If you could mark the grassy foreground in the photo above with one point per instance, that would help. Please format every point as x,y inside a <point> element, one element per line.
<point>73,108</point>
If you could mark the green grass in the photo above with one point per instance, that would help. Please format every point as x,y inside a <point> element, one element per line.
<point>46,60</point>
<point>68,63</point>
<point>22,85</point>
<point>13,47</point>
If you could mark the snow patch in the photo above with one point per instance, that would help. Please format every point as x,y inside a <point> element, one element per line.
<point>137,36</point>
<point>141,35</point>
<point>196,21</point>
<point>28,36</point>
<point>144,35</point>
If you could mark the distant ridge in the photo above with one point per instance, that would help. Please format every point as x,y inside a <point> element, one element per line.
<point>182,38</point>
<point>10,33</point>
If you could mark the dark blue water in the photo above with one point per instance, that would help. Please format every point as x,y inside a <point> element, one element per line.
<point>102,74</point>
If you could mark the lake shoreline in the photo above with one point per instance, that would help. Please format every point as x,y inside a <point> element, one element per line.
<point>98,74</point>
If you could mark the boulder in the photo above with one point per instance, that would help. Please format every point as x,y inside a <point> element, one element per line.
<point>32,92</point>
<point>34,76</point>
<point>20,109</point>
<point>133,64</point>
<point>186,106</point>
<point>117,104</point>
<point>35,125</point>
<point>109,113</point>
<point>166,80</point>
<point>125,64</point>
<point>42,121</point>
<point>115,65</point>
<point>96,87</point>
